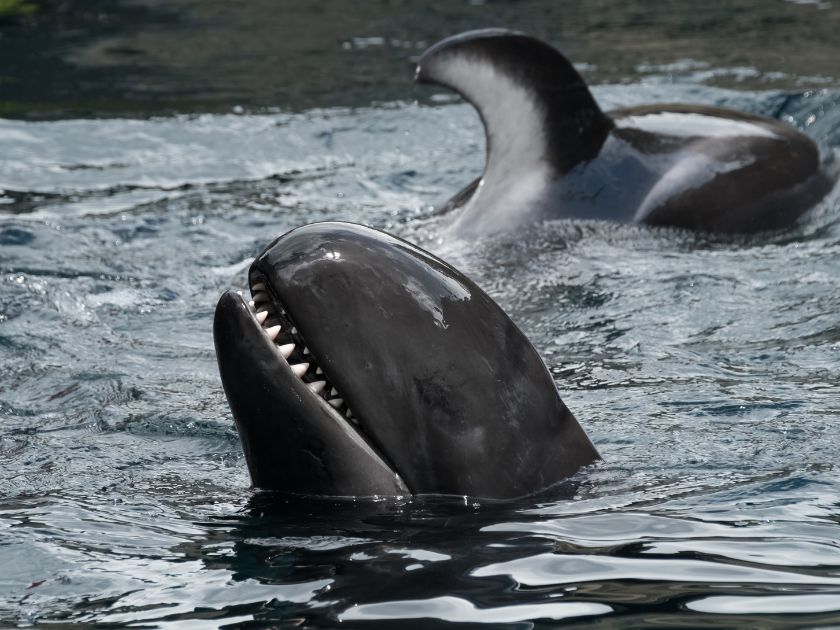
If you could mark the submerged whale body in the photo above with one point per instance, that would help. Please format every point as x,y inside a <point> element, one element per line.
<point>552,153</point>
<point>366,366</point>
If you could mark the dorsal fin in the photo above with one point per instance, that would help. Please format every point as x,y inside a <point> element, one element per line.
<point>539,117</point>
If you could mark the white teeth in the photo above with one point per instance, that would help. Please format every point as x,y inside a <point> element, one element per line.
<point>286,350</point>
<point>262,296</point>
<point>317,386</point>
<point>258,287</point>
<point>299,369</point>
<point>294,330</point>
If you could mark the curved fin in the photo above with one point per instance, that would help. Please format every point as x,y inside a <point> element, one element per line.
<point>527,93</point>
<point>539,117</point>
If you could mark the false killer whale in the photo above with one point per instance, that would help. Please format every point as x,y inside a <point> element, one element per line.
<point>552,153</point>
<point>365,365</point>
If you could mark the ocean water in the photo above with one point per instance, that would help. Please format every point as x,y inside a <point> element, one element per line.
<point>705,369</point>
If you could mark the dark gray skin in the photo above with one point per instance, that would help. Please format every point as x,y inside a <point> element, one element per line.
<point>449,397</point>
<point>553,154</point>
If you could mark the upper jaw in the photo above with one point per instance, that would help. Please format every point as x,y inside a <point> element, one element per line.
<point>280,329</point>
<point>294,441</point>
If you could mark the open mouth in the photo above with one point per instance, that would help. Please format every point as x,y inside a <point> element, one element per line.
<point>439,380</point>
<point>281,331</point>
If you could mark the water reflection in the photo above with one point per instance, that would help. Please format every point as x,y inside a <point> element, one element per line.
<point>705,369</point>
<point>436,559</point>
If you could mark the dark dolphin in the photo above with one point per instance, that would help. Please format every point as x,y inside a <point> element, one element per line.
<point>447,395</point>
<point>552,153</point>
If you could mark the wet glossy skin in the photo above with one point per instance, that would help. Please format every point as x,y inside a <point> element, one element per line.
<point>292,442</point>
<point>701,168</point>
<point>449,393</point>
<point>553,154</point>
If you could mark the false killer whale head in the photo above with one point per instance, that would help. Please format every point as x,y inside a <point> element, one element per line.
<point>364,365</point>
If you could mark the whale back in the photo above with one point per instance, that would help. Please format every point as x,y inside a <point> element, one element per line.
<point>553,154</point>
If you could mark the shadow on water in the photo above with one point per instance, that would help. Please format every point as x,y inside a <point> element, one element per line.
<point>95,57</point>
<point>430,562</point>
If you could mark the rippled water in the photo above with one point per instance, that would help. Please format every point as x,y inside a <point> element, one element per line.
<point>706,370</point>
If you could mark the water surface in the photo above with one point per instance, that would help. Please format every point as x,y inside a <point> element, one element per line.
<point>705,369</point>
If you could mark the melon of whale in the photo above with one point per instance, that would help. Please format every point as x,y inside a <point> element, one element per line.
<point>364,365</point>
<point>553,154</point>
